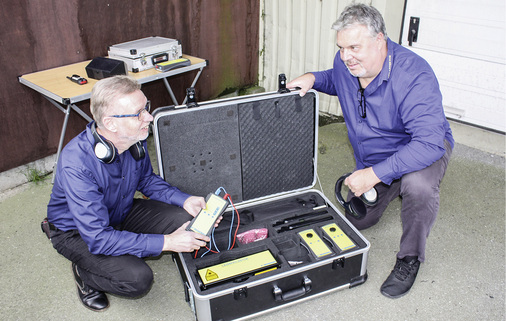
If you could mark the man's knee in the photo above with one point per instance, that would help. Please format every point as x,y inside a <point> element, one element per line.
<point>136,280</point>
<point>418,185</point>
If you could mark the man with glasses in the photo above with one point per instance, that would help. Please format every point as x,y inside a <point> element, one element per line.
<point>95,221</point>
<point>401,140</point>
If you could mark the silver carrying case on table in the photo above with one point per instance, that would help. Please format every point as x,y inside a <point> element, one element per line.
<point>143,54</point>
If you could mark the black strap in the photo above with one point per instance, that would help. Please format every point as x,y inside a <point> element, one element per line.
<point>47,227</point>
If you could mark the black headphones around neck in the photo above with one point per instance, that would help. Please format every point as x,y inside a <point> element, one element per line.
<point>106,152</point>
<point>356,206</point>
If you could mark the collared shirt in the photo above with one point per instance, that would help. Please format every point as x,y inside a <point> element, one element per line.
<point>93,197</point>
<point>405,126</point>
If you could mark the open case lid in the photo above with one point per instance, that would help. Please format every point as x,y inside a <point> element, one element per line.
<point>254,146</point>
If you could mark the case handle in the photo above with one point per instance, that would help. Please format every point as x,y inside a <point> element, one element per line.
<point>156,59</point>
<point>282,84</point>
<point>191,100</point>
<point>293,293</point>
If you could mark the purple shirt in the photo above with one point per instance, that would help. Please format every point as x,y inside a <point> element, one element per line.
<point>93,197</point>
<point>405,126</point>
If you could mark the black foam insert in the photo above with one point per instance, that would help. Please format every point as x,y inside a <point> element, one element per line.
<point>277,145</point>
<point>284,246</point>
<point>251,147</point>
<point>200,150</point>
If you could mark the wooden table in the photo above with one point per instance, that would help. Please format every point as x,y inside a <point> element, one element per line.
<point>64,94</point>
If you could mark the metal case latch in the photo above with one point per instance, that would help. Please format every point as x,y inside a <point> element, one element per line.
<point>241,293</point>
<point>339,262</point>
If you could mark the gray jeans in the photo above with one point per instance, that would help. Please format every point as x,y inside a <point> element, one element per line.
<point>420,204</point>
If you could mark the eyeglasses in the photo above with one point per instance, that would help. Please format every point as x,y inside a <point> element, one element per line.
<point>146,108</point>
<point>361,102</point>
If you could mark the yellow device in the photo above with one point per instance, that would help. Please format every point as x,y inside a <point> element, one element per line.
<point>253,263</point>
<point>203,223</point>
<point>172,64</point>
<point>337,236</point>
<point>315,243</point>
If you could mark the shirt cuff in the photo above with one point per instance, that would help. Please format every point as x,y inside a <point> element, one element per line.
<point>178,198</point>
<point>383,171</point>
<point>155,245</point>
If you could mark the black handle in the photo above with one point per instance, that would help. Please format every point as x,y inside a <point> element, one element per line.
<point>156,59</point>
<point>293,293</point>
<point>191,99</point>
<point>282,84</point>
<point>414,22</point>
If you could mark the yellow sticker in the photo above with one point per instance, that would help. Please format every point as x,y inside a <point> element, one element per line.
<point>205,220</point>
<point>339,238</point>
<point>315,243</point>
<point>256,262</point>
<point>210,275</point>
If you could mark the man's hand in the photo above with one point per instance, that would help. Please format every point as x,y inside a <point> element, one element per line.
<point>184,241</point>
<point>194,204</point>
<point>304,82</point>
<point>361,181</point>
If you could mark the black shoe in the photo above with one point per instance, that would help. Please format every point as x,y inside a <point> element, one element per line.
<point>91,298</point>
<point>401,278</point>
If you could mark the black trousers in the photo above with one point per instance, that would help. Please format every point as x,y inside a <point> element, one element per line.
<point>125,275</point>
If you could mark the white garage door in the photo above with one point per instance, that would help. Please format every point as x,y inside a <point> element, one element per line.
<point>464,41</point>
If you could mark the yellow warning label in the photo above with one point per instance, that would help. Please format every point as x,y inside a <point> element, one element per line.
<point>248,264</point>
<point>210,275</point>
<point>338,237</point>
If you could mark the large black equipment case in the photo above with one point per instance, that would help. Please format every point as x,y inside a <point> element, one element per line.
<point>262,150</point>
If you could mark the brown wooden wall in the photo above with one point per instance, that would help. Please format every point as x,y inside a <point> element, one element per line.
<point>42,34</point>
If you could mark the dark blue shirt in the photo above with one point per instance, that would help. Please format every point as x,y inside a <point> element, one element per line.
<point>405,126</point>
<point>93,197</point>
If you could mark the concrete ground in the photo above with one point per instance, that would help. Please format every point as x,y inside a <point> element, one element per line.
<point>462,279</point>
